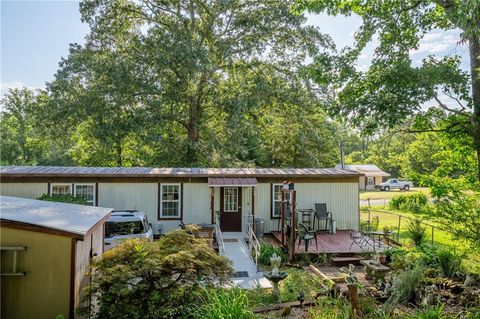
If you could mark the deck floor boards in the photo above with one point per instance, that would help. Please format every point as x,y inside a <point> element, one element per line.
<point>338,243</point>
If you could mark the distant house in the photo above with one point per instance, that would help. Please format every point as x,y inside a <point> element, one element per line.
<point>46,249</point>
<point>372,175</point>
<point>170,196</point>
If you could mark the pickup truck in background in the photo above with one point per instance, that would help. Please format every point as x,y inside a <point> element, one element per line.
<point>394,183</point>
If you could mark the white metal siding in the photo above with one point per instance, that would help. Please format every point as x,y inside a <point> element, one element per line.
<point>24,190</point>
<point>196,203</point>
<point>341,199</point>
<point>139,196</point>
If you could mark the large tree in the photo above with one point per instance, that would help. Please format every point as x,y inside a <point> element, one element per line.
<point>165,65</point>
<point>393,88</point>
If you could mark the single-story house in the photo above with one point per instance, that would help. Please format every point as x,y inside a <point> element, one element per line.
<point>46,249</point>
<point>194,195</point>
<point>372,175</point>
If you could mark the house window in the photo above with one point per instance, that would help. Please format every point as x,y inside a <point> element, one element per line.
<point>170,201</point>
<point>370,181</point>
<point>230,199</point>
<point>85,191</point>
<point>277,198</point>
<point>60,189</point>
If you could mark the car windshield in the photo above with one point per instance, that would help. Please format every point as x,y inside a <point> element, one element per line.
<point>123,228</point>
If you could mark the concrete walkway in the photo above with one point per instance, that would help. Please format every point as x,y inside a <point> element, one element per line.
<point>237,251</point>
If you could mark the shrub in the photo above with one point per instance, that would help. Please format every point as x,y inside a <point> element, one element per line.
<point>299,281</point>
<point>267,250</point>
<point>223,303</point>
<point>431,312</point>
<point>142,279</point>
<point>404,285</point>
<point>328,308</point>
<point>416,231</point>
<point>443,259</point>
<point>66,198</point>
<point>415,203</point>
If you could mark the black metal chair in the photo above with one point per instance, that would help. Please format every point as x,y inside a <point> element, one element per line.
<point>321,213</point>
<point>306,235</point>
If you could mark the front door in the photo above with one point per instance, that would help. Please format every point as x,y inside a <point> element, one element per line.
<point>231,208</point>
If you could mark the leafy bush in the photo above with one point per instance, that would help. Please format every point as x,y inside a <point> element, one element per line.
<point>328,308</point>
<point>223,303</point>
<point>267,250</point>
<point>416,231</point>
<point>415,202</point>
<point>67,198</point>
<point>431,312</point>
<point>142,279</point>
<point>443,259</point>
<point>299,281</point>
<point>404,285</point>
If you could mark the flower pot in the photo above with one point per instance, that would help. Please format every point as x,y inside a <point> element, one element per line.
<point>383,258</point>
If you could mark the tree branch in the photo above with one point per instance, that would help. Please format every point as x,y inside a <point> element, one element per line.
<point>443,106</point>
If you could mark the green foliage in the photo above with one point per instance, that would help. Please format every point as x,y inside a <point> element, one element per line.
<point>330,308</point>
<point>267,250</point>
<point>66,198</point>
<point>416,231</point>
<point>404,285</point>
<point>299,281</point>
<point>431,312</point>
<point>142,279</point>
<point>230,303</point>
<point>415,202</point>
<point>403,258</point>
<point>443,259</point>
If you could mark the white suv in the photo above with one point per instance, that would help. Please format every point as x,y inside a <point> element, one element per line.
<point>126,224</point>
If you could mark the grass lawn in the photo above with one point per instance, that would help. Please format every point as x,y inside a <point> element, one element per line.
<point>388,195</point>
<point>471,260</point>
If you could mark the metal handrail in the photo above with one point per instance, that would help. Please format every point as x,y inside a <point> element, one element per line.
<point>218,234</point>
<point>253,243</point>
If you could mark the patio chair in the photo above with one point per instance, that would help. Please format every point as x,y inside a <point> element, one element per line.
<point>306,235</point>
<point>321,213</point>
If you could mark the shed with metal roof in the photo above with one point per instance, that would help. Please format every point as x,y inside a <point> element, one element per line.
<point>46,250</point>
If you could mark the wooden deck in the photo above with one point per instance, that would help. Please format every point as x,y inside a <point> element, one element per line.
<point>338,243</point>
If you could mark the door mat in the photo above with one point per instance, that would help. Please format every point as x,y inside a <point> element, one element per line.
<point>240,274</point>
<point>231,240</point>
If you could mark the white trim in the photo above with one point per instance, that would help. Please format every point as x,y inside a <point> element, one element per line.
<point>273,198</point>
<point>60,184</point>
<point>179,200</point>
<point>94,200</point>
<point>237,196</point>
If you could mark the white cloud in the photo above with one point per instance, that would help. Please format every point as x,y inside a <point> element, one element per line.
<point>5,86</point>
<point>437,42</point>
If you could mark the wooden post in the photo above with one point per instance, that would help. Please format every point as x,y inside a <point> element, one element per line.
<point>282,218</point>
<point>212,212</point>
<point>253,202</point>
<point>291,250</point>
<point>353,296</point>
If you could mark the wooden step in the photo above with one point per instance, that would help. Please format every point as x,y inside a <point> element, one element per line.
<point>345,261</point>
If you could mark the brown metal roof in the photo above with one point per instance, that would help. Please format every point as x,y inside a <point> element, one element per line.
<point>232,181</point>
<point>60,171</point>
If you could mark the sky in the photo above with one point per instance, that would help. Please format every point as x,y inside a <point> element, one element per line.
<point>35,35</point>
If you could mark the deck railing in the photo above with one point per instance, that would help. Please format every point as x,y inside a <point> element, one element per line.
<point>218,234</point>
<point>253,243</point>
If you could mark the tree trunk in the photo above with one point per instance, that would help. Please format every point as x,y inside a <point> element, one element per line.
<point>119,151</point>
<point>192,132</point>
<point>474,46</point>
